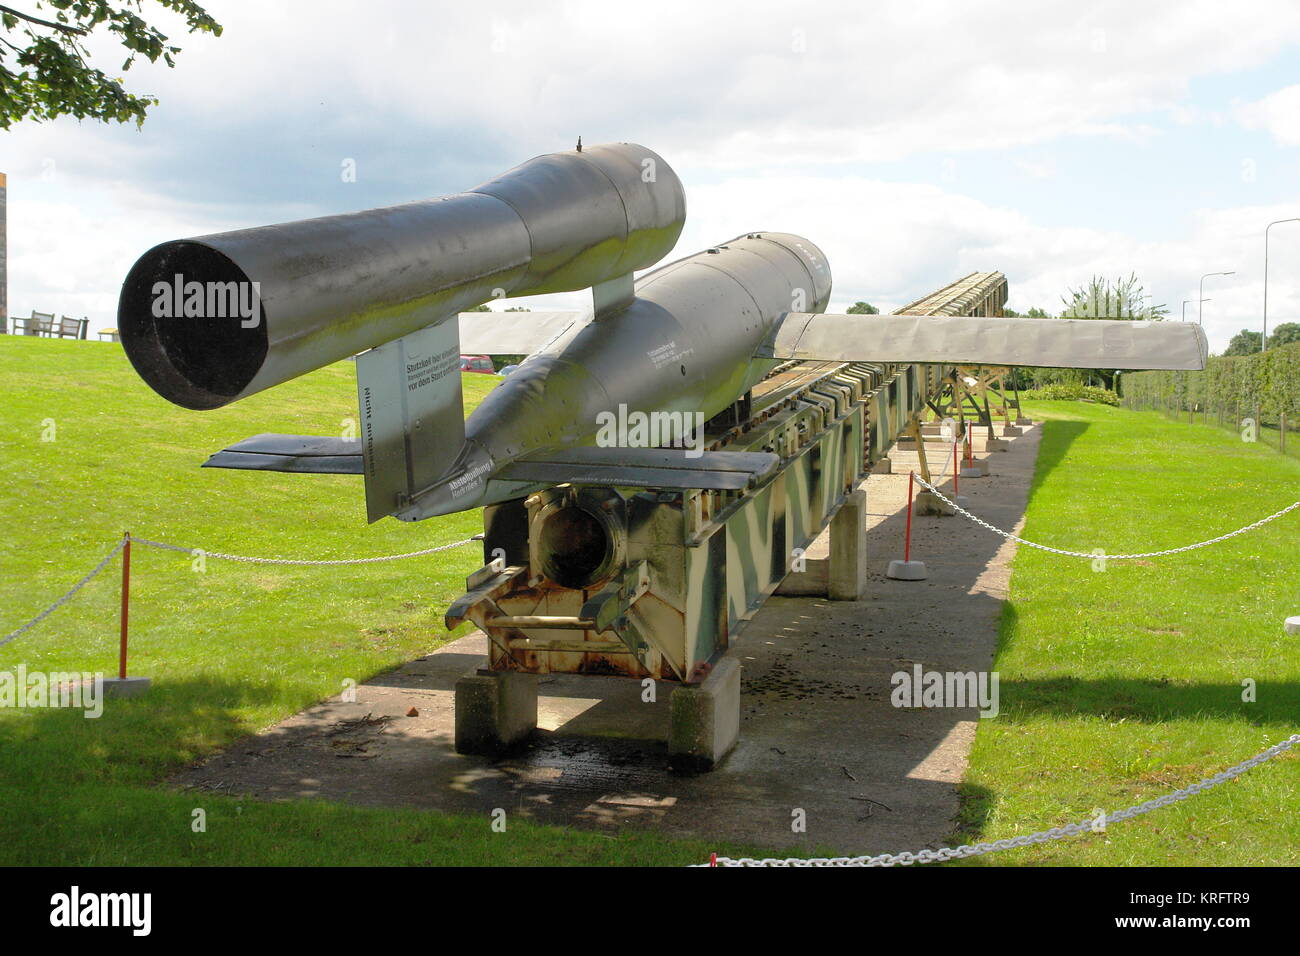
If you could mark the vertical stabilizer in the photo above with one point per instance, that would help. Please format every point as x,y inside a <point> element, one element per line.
<point>412,415</point>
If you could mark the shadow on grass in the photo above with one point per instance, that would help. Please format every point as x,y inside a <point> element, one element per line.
<point>135,741</point>
<point>1058,436</point>
<point>1151,700</point>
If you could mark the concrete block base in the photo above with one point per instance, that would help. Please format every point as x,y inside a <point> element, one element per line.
<point>1024,422</point>
<point>973,472</point>
<point>883,466</point>
<point>705,719</point>
<point>847,572</point>
<point>995,444</point>
<point>928,503</point>
<point>1293,625</point>
<point>1011,431</point>
<point>907,571</point>
<point>495,710</point>
<point>126,686</point>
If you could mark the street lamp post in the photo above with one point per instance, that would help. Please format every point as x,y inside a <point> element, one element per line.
<point>1185,301</point>
<point>1199,319</point>
<point>1264,339</point>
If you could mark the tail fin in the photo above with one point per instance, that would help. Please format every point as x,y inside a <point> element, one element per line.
<point>412,416</point>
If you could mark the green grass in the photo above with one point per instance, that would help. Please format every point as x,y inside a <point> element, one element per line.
<point>1122,685</point>
<point>232,649</point>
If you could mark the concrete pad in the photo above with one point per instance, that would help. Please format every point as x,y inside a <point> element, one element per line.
<point>996,444</point>
<point>817,730</point>
<point>705,721</point>
<point>495,711</point>
<point>126,686</point>
<point>907,571</point>
<point>847,573</point>
<point>883,466</point>
<point>1011,431</point>
<point>928,503</point>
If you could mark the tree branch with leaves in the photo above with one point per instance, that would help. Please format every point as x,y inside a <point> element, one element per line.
<point>45,69</point>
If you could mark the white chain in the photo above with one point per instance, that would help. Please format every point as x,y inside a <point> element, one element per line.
<point>68,596</point>
<point>1092,554</point>
<point>298,561</point>
<point>1043,836</point>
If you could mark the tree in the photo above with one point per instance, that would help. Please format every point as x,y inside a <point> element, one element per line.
<point>863,308</point>
<point>1034,313</point>
<point>1284,334</point>
<point>1103,299</point>
<point>44,68</point>
<point>1244,342</point>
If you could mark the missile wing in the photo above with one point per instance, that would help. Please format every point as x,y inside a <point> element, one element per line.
<point>512,333</point>
<point>976,340</point>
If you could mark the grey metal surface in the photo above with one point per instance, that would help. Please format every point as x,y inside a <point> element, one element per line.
<point>332,287</point>
<point>643,467</point>
<point>512,333</point>
<point>412,414</point>
<point>685,345</point>
<point>304,454</point>
<point>1053,343</point>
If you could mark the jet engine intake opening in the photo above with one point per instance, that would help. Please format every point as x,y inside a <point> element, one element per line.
<point>577,547</point>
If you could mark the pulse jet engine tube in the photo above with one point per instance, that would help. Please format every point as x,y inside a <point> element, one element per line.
<point>210,320</point>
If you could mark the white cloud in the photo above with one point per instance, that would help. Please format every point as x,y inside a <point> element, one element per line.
<point>1278,114</point>
<point>762,108</point>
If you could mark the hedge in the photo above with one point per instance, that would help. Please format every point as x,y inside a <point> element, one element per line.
<point>1265,382</point>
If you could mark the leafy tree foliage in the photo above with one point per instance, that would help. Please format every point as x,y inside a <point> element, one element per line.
<point>1244,342</point>
<point>44,64</point>
<point>1284,334</point>
<point>863,308</point>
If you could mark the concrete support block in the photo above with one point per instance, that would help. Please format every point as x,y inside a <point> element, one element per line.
<point>928,503</point>
<point>995,444</point>
<point>1024,422</point>
<point>1010,431</point>
<point>705,719</point>
<point>126,686</point>
<point>847,578</point>
<point>1293,625</point>
<point>495,710</point>
<point>907,571</point>
<point>883,466</point>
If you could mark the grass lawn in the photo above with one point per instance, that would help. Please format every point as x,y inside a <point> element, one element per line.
<point>232,649</point>
<point>1120,685</point>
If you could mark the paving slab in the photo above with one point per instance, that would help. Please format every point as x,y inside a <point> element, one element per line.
<point>818,731</point>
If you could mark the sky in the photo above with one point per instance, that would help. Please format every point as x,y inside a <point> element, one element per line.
<point>914,142</point>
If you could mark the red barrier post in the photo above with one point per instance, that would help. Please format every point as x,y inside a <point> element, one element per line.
<point>956,488</point>
<point>907,540</point>
<point>126,601</point>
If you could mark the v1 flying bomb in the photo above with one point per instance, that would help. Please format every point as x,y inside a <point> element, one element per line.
<point>691,337</point>
<point>610,548</point>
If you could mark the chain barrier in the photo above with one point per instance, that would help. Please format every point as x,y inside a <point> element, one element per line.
<point>66,597</point>
<point>303,562</point>
<point>1090,825</point>
<point>219,555</point>
<point>1091,555</point>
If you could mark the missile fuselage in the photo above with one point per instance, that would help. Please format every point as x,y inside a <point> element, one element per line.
<point>683,345</point>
